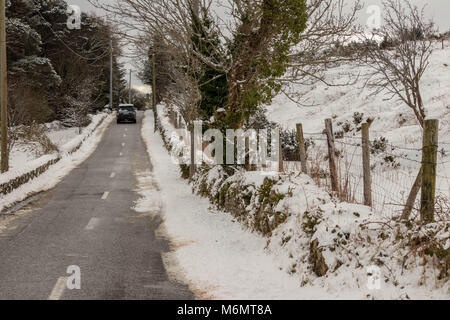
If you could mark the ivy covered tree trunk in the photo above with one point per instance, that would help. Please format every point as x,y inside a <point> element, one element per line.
<point>260,52</point>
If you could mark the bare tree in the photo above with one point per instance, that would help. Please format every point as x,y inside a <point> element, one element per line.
<point>169,23</point>
<point>171,20</point>
<point>329,22</point>
<point>400,62</point>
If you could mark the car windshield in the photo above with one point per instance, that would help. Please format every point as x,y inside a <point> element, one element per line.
<point>126,108</point>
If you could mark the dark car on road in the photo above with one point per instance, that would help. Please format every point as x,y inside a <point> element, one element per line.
<point>127,113</point>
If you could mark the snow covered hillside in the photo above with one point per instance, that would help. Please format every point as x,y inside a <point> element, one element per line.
<point>394,130</point>
<point>393,119</point>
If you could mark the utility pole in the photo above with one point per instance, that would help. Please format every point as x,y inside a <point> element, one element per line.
<point>129,90</point>
<point>110,74</point>
<point>4,92</point>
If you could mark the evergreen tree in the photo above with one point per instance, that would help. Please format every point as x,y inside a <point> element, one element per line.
<point>54,71</point>
<point>30,74</point>
<point>213,83</point>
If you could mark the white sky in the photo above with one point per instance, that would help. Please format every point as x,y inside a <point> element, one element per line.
<point>438,10</point>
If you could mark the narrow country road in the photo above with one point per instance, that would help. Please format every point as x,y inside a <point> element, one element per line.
<point>87,221</point>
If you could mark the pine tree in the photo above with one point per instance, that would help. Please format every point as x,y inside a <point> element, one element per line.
<point>54,71</point>
<point>30,74</point>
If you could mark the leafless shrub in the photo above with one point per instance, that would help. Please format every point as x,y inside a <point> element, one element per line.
<point>442,207</point>
<point>317,167</point>
<point>36,134</point>
<point>24,107</point>
<point>330,22</point>
<point>349,179</point>
<point>398,69</point>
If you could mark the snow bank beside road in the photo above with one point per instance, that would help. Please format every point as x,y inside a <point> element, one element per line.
<point>90,138</point>
<point>78,139</point>
<point>216,255</point>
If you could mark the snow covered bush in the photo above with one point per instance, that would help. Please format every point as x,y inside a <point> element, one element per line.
<point>322,237</point>
<point>250,197</point>
<point>36,134</point>
<point>335,245</point>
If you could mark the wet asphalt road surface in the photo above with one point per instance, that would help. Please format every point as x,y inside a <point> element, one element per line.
<point>87,221</point>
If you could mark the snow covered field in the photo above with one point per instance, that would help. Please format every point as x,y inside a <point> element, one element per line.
<point>59,135</point>
<point>393,121</point>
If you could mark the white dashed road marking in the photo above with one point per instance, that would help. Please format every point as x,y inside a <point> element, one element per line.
<point>92,224</point>
<point>58,289</point>
<point>120,154</point>
<point>113,174</point>
<point>123,144</point>
<point>105,195</point>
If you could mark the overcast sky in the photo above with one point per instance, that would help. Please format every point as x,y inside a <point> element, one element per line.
<point>438,10</point>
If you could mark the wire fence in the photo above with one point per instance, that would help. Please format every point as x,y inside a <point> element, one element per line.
<point>394,169</point>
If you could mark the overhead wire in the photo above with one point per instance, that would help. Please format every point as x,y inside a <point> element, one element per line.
<point>48,24</point>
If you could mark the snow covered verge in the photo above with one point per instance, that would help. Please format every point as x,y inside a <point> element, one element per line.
<point>46,171</point>
<point>343,249</point>
<point>216,256</point>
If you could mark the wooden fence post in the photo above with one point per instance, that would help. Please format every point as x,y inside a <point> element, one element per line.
<point>175,120</point>
<point>192,164</point>
<point>247,154</point>
<point>301,147</point>
<point>429,168</point>
<point>331,155</point>
<point>280,152</point>
<point>366,164</point>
